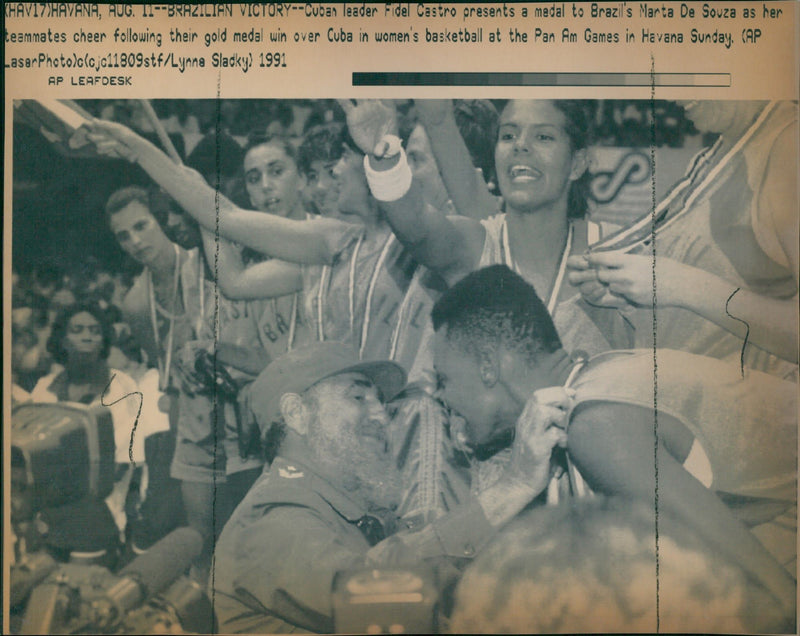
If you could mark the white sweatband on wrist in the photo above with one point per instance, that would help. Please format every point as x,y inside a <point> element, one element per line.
<point>392,184</point>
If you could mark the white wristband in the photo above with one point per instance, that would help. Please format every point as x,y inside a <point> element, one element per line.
<point>392,184</point>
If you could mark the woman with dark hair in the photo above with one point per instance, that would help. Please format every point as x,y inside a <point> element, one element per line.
<point>80,342</point>
<point>541,158</point>
<point>352,271</point>
<point>56,344</point>
<point>317,156</point>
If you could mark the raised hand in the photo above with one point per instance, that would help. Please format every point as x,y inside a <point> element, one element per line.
<point>432,112</point>
<point>368,120</point>
<point>114,140</point>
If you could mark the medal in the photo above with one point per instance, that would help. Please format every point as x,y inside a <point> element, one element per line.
<point>164,366</point>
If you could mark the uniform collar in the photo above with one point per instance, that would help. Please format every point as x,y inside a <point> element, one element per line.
<point>292,466</point>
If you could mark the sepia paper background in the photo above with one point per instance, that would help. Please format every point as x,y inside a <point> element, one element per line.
<point>766,69</point>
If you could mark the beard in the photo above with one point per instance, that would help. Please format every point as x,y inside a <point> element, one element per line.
<point>359,470</point>
<point>379,482</point>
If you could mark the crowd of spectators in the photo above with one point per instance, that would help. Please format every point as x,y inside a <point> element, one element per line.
<point>204,274</point>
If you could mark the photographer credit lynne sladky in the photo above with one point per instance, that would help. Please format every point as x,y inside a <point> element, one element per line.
<point>413,365</point>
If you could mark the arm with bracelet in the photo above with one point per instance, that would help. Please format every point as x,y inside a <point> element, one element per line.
<point>449,245</point>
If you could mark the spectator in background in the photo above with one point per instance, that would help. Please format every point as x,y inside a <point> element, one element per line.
<point>325,111</point>
<point>301,110</point>
<point>80,341</point>
<point>47,278</point>
<point>317,157</point>
<point>52,282</point>
<point>165,308</point>
<point>30,331</point>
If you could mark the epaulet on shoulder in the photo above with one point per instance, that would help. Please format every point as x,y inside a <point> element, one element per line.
<point>287,486</point>
<point>288,472</point>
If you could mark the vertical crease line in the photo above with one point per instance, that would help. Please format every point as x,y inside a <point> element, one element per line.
<point>214,410</point>
<point>653,222</point>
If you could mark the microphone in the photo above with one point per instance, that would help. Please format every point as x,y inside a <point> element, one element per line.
<point>148,575</point>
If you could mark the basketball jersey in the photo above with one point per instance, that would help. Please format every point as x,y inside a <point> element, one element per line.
<point>715,219</point>
<point>356,300</point>
<point>582,328</point>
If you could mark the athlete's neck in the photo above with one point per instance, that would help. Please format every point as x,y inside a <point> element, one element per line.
<point>539,236</point>
<point>536,242</point>
<point>375,226</point>
<point>373,219</point>
<point>163,266</point>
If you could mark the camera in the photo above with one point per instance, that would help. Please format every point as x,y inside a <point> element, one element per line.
<point>62,454</point>
<point>213,376</point>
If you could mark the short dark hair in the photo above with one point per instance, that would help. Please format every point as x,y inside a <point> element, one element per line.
<point>579,120</point>
<point>127,195</point>
<point>204,155</point>
<point>260,137</point>
<point>581,135</point>
<point>321,143</point>
<point>55,343</point>
<point>494,306</point>
<point>21,298</point>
